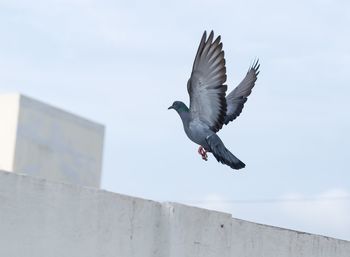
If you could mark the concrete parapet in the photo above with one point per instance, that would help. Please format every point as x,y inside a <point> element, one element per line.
<point>39,218</point>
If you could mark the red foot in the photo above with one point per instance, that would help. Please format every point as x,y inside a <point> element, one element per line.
<point>203,153</point>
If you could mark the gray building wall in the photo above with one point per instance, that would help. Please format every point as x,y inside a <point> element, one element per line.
<point>39,218</point>
<point>48,142</point>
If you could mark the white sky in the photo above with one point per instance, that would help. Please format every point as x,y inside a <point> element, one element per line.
<point>122,64</point>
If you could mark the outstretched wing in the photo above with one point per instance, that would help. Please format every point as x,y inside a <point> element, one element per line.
<point>205,86</point>
<point>236,99</point>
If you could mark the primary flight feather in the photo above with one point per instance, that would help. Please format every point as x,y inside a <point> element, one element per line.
<point>209,106</point>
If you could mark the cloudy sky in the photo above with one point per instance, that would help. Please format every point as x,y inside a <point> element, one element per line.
<point>122,63</point>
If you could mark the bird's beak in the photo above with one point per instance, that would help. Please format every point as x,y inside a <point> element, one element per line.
<point>171,107</point>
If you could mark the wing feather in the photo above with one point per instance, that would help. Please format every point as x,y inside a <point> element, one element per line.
<point>237,98</point>
<point>206,84</point>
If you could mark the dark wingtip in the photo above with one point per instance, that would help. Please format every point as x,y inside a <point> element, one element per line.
<point>255,65</point>
<point>210,38</point>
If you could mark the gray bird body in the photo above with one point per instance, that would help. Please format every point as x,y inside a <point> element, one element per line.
<point>209,106</point>
<point>197,131</point>
<point>194,128</point>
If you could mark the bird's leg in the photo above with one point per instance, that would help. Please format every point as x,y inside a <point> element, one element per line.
<point>203,153</point>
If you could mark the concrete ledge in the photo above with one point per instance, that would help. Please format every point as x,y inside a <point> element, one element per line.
<point>40,218</point>
<point>252,239</point>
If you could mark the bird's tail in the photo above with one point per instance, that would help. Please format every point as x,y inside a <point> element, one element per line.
<point>222,154</point>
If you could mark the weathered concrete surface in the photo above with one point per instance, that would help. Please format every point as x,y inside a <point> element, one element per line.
<point>47,142</point>
<point>39,218</point>
<point>251,239</point>
<point>44,219</point>
<point>198,232</point>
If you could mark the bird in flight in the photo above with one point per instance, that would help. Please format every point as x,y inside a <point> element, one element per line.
<point>210,108</point>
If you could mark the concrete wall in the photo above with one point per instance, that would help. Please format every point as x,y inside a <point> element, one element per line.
<point>47,142</point>
<point>251,239</point>
<point>39,218</point>
<point>9,109</point>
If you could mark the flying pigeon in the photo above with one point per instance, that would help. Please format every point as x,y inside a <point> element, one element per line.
<point>210,108</point>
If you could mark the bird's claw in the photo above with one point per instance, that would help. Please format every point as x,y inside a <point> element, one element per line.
<point>203,153</point>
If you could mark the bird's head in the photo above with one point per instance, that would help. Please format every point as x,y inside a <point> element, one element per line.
<point>179,107</point>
